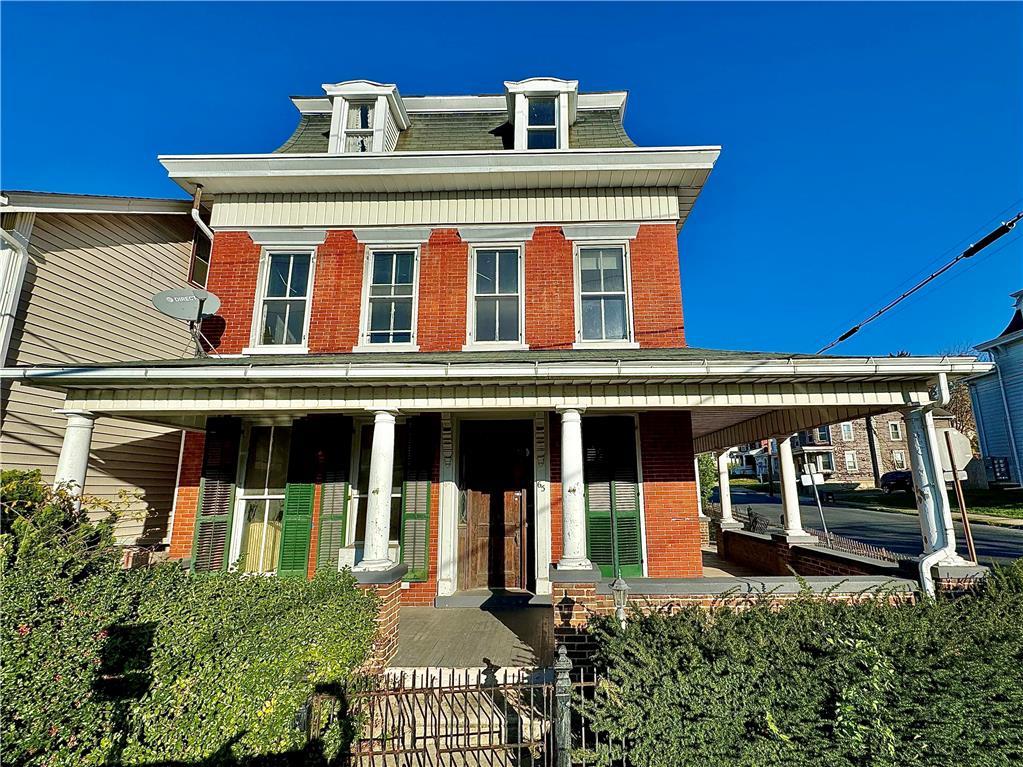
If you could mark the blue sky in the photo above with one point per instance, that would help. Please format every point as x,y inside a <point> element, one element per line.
<point>863,144</point>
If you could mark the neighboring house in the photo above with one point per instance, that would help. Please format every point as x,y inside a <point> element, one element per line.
<point>82,296</point>
<point>451,352</point>
<point>854,453</point>
<point>998,402</point>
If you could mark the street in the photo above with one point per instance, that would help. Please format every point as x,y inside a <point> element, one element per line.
<point>897,532</point>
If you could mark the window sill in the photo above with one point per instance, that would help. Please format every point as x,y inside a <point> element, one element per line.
<point>289,349</point>
<point>495,346</point>
<point>605,345</point>
<point>368,348</point>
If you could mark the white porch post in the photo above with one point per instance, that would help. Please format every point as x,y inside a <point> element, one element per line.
<point>378,496</point>
<point>701,514</point>
<point>725,491</point>
<point>790,492</point>
<point>447,534</point>
<point>73,463</point>
<point>573,503</point>
<point>931,496</point>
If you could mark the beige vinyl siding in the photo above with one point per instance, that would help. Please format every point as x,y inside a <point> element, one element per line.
<point>452,208</point>
<point>86,298</point>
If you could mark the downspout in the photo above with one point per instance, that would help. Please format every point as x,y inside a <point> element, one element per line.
<point>196,198</point>
<point>942,547</point>
<point>1008,422</point>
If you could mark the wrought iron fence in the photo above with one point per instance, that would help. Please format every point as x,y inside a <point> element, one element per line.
<point>850,546</point>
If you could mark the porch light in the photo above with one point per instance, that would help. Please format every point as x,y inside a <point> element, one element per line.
<point>620,591</point>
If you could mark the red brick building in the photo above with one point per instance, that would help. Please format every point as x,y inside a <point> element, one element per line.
<point>451,350</point>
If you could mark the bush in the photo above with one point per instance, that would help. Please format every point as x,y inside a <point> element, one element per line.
<point>819,683</point>
<point>102,665</point>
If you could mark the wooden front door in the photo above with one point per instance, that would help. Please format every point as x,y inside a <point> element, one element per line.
<point>495,533</point>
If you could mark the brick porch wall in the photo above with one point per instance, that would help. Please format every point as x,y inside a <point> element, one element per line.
<point>768,556</point>
<point>670,505</point>
<point>186,502</point>
<point>385,642</point>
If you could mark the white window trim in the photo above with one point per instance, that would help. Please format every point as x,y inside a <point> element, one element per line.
<point>630,341</point>
<point>561,119</point>
<point>855,466</point>
<point>255,333</point>
<point>367,274</point>
<point>891,432</point>
<point>471,344</point>
<point>895,463</point>
<point>852,433</point>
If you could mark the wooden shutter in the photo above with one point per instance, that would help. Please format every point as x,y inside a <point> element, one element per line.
<point>297,517</point>
<point>334,492</point>
<point>613,538</point>
<point>415,498</point>
<point>216,494</point>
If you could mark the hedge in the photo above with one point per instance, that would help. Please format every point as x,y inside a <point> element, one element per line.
<point>818,683</point>
<point>102,665</point>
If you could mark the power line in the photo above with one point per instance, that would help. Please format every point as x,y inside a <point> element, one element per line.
<point>972,250</point>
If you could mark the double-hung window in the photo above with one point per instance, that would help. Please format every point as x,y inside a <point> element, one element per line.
<point>823,434</point>
<point>895,431</point>
<point>261,499</point>
<point>847,431</point>
<point>283,312</point>
<point>359,126</point>
<point>899,460</point>
<point>851,462</point>
<point>496,311</point>
<point>391,309</point>
<point>542,122</point>
<point>604,312</point>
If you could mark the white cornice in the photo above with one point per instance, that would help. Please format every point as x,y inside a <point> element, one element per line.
<point>354,89</point>
<point>665,167</point>
<point>47,202</point>
<point>494,103</point>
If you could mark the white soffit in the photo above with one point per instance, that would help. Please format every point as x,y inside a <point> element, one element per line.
<point>53,202</point>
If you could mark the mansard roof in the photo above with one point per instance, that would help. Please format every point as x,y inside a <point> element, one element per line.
<point>444,131</point>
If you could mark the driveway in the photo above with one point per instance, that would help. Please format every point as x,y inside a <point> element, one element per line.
<point>897,532</point>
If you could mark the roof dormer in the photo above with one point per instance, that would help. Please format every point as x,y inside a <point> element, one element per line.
<point>542,109</point>
<point>365,117</point>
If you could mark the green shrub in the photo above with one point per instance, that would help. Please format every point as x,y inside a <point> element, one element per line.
<point>102,665</point>
<point>819,683</point>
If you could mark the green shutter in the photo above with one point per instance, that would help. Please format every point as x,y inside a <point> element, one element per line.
<point>415,498</point>
<point>613,538</point>
<point>216,495</point>
<point>296,529</point>
<point>333,519</point>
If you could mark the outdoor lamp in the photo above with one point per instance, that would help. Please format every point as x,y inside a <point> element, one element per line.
<point>620,591</point>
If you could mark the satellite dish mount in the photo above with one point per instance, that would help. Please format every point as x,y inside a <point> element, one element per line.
<point>192,305</point>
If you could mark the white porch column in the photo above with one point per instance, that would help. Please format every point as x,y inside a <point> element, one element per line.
<point>790,493</point>
<point>73,463</point>
<point>378,496</point>
<point>931,496</point>
<point>699,488</point>
<point>725,491</point>
<point>573,502</point>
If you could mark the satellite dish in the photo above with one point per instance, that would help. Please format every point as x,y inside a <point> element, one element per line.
<point>188,304</point>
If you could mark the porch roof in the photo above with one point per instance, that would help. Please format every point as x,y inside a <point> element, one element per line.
<point>734,396</point>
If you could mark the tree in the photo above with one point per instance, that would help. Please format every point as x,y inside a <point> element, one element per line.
<point>708,476</point>
<point>960,404</point>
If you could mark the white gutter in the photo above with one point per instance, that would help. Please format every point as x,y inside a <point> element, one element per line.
<point>923,368</point>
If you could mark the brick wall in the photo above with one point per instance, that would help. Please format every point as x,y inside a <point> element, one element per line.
<point>186,502</point>
<point>337,293</point>
<point>234,270</point>
<point>550,290</point>
<point>385,642</point>
<point>767,556</point>
<point>670,505</point>
<point>443,282</point>
<point>656,287</point>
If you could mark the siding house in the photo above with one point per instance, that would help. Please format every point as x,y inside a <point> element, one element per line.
<point>78,272</point>
<point>997,397</point>
<point>451,354</point>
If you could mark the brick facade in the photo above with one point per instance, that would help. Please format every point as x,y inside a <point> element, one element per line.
<point>234,271</point>
<point>670,504</point>
<point>656,296</point>
<point>550,290</point>
<point>337,294</point>
<point>186,501</point>
<point>443,282</point>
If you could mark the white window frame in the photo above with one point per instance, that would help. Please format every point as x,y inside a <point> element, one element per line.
<point>855,464</point>
<point>471,344</point>
<point>817,436</point>
<point>556,98</point>
<point>367,276</point>
<point>238,520</point>
<point>627,343</point>
<point>256,333</point>
<point>352,517</point>
<point>901,459</point>
<point>847,427</point>
<point>561,118</point>
<point>895,434</point>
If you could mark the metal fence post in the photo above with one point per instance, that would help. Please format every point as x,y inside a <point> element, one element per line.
<point>563,709</point>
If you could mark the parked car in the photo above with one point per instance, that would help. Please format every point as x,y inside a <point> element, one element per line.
<point>896,480</point>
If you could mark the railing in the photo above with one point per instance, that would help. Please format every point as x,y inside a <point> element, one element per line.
<point>850,546</point>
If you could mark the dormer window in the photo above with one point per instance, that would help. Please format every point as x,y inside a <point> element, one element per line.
<point>542,109</point>
<point>542,124</point>
<point>359,126</point>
